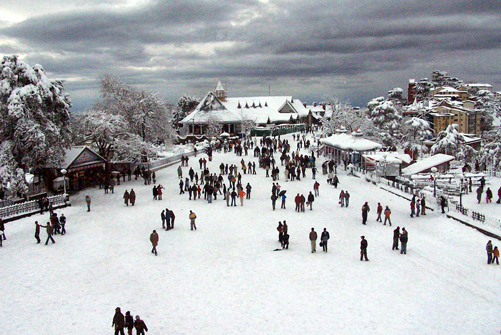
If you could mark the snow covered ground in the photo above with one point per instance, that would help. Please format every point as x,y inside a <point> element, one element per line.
<point>225,278</point>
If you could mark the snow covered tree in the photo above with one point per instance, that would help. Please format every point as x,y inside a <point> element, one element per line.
<point>213,128</point>
<point>415,131</point>
<point>11,176</point>
<point>131,148</point>
<point>145,113</point>
<point>451,142</point>
<point>396,96</point>
<point>384,115</point>
<point>34,112</point>
<point>442,78</point>
<point>343,114</point>
<point>101,129</point>
<point>488,108</point>
<point>423,89</point>
<point>185,105</point>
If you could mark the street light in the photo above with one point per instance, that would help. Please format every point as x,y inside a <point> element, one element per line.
<point>63,171</point>
<point>461,191</point>
<point>434,171</point>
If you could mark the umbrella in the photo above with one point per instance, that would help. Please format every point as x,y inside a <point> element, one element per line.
<point>282,192</point>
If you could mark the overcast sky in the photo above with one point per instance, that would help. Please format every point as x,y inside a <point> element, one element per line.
<point>354,50</point>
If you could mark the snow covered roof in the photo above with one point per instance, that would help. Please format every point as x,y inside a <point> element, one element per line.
<point>426,164</point>
<point>80,156</point>
<point>347,142</point>
<point>277,109</point>
<point>388,156</point>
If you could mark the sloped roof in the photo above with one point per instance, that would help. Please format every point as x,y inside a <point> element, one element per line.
<point>347,142</point>
<point>259,109</point>
<point>426,164</point>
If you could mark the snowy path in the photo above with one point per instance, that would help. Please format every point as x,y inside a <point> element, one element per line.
<point>225,277</point>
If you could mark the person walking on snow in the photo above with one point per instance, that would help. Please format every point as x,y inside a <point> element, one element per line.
<point>346,198</point>
<point>50,231</point>
<point>154,242</point>
<point>403,241</point>
<point>488,195</point>
<point>316,188</point>
<point>140,326</point>
<point>313,240</point>
<point>387,213</point>
<point>88,201</point>
<point>489,249</point>
<point>341,198</point>
<point>62,222</point>
<point>37,232</point>
<point>363,248</point>
<point>495,255</point>
<point>324,238</point>
<point>241,195</point>
<point>413,206</point>
<point>396,236</point>
<point>192,218</point>
<point>118,322</point>
<point>311,198</point>
<point>132,197</point>
<point>126,197</point>
<point>379,212</point>
<point>284,197</point>
<point>365,211</point>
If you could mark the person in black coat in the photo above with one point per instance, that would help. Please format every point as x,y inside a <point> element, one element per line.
<point>311,198</point>
<point>396,236</point>
<point>363,248</point>
<point>129,323</point>
<point>118,322</point>
<point>365,210</point>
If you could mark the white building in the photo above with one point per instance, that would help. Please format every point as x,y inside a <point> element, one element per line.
<point>232,112</point>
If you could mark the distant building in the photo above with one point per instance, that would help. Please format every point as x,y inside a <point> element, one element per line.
<point>232,112</point>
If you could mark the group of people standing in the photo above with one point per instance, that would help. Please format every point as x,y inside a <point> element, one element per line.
<point>121,322</point>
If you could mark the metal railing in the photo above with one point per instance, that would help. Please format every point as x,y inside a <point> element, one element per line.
<point>29,207</point>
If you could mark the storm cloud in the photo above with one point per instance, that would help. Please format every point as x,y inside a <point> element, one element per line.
<point>352,50</point>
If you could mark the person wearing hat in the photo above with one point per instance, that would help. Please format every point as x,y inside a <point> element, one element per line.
<point>118,322</point>
<point>154,242</point>
<point>140,326</point>
<point>363,248</point>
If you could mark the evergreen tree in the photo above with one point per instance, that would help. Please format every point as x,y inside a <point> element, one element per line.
<point>451,142</point>
<point>415,131</point>
<point>34,112</point>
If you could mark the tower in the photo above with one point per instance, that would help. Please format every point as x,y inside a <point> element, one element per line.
<point>220,92</point>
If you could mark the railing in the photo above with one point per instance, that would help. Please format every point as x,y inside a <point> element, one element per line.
<point>168,160</point>
<point>29,207</point>
<point>477,216</point>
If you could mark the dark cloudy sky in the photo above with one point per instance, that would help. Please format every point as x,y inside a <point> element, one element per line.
<point>355,50</point>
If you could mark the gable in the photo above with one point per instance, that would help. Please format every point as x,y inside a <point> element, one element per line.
<point>287,108</point>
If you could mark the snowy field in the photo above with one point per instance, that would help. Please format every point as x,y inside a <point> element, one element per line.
<point>225,277</point>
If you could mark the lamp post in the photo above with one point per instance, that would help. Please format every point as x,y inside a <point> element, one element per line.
<point>63,171</point>
<point>434,171</point>
<point>461,191</point>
